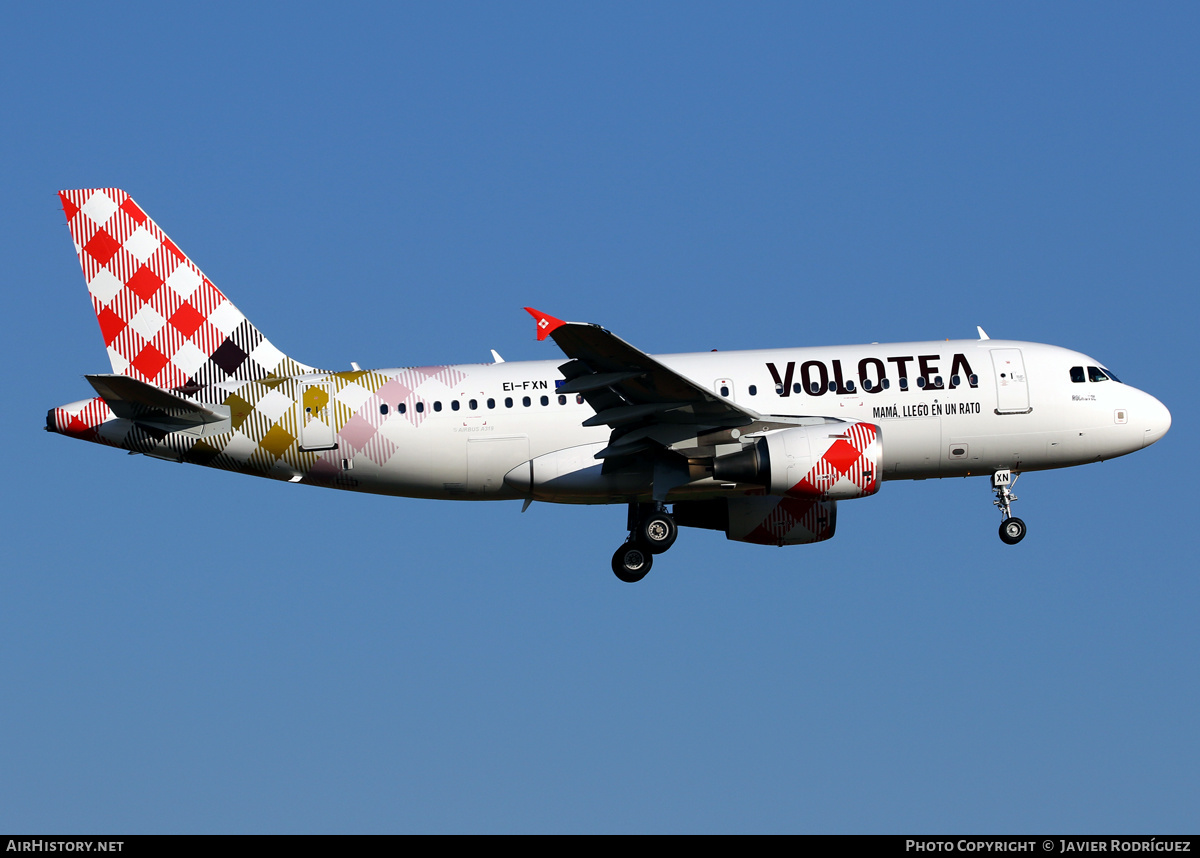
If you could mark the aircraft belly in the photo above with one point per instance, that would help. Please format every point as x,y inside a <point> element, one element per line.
<point>465,459</point>
<point>417,462</point>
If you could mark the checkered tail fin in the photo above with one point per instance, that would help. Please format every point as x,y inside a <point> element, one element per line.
<point>162,320</point>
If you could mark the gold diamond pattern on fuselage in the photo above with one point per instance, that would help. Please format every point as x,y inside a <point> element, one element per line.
<point>239,410</point>
<point>315,399</point>
<point>277,441</point>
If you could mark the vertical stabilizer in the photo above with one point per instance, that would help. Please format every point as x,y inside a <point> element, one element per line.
<point>162,320</point>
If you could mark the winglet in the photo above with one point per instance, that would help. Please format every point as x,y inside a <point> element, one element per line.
<point>546,325</point>
<point>982,335</point>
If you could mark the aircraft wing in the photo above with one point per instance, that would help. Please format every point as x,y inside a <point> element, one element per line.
<point>645,402</point>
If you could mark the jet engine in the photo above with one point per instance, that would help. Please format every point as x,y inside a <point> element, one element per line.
<point>762,519</point>
<point>833,461</point>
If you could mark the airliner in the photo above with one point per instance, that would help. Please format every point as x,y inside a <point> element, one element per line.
<point>759,444</point>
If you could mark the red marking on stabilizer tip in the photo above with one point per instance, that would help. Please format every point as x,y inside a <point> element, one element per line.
<point>546,325</point>
<point>69,208</point>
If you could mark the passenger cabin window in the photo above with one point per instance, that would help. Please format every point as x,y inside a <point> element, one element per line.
<point>454,405</point>
<point>1077,375</point>
<point>545,400</point>
<point>562,399</point>
<point>401,408</point>
<point>491,403</point>
<point>525,401</point>
<point>579,399</point>
<point>420,407</point>
<point>473,404</point>
<point>383,408</point>
<point>508,402</point>
<point>753,390</point>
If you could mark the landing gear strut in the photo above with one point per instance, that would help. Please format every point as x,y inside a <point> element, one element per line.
<point>1012,530</point>
<point>652,531</point>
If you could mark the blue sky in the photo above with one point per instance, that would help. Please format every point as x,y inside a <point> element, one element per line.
<point>184,650</point>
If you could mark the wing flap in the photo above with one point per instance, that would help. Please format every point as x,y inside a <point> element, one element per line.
<point>595,381</point>
<point>623,414</point>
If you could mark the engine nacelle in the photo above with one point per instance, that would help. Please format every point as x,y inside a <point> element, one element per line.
<point>833,461</point>
<point>762,519</point>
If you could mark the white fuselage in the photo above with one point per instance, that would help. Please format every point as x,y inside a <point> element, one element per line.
<point>951,408</point>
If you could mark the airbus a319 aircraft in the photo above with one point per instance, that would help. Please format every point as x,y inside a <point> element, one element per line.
<point>758,444</point>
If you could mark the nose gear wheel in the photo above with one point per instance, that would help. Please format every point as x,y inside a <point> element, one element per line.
<point>1012,529</point>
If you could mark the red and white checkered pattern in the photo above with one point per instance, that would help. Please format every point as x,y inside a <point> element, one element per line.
<point>80,419</point>
<point>780,521</point>
<point>848,468</point>
<point>162,320</point>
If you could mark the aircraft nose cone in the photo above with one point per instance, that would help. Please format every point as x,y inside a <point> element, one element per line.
<point>1157,421</point>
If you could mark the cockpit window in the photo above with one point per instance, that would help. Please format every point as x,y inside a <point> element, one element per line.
<point>1096,374</point>
<point>1110,374</point>
<point>1077,375</point>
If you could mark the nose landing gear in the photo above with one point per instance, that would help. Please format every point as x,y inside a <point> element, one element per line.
<point>1012,529</point>
<point>652,531</point>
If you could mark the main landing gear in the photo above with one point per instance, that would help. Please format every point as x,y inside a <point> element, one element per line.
<point>1012,530</point>
<point>652,531</point>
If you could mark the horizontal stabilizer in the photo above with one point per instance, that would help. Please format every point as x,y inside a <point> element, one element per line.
<point>141,402</point>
